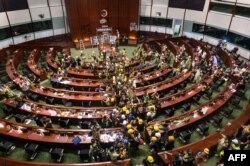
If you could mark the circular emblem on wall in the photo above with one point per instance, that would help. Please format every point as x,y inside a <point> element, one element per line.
<point>104,13</point>
<point>103,21</point>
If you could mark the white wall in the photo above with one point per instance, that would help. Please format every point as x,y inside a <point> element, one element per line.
<point>35,12</point>
<point>56,11</point>
<point>21,38</point>
<point>176,13</point>
<point>197,16</point>
<point>160,2</point>
<point>218,19</point>
<point>241,25</point>
<point>244,2</point>
<point>158,29</point>
<point>3,20</point>
<point>6,43</point>
<point>145,2</point>
<point>43,34</point>
<point>144,27</point>
<point>37,3</point>
<point>54,2</point>
<point>145,10</point>
<point>59,31</point>
<point>19,16</point>
<point>161,9</point>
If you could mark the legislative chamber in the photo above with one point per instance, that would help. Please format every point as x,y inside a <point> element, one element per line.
<point>124,82</point>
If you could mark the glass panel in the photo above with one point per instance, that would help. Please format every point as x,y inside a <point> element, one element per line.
<point>16,5</point>
<point>5,33</point>
<point>215,32</point>
<point>178,3</point>
<point>239,40</point>
<point>169,23</point>
<point>243,11</point>
<point>58,22</point>
<point>198,28</point>
<point>187,4</point>
<point>196,5</point>
<point>159,21</point>
<point>21,29</point>
<point>42,25</point>
<point>224,8</point>
<point>145,20</point>
<point>1,6</point>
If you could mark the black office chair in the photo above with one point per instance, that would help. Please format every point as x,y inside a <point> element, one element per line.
<point>8,111</point>
<point>196,98</point>
<point>216,120</point>
<point>6,147</point>
<point>56,154</point>
<point>68,104</point>
<point>227,111</point>
<point>84,124</point>
<point>32,150</point>
<point>202,129</point>
<point>33,96</point>
<point>184,136</point>
<point>235,101</point>
<point>39,121</point>
<point>64,123</point>
<point>84,154</point>
<point>170,112</point>
<point>186,107</point>
<point>20,118</point>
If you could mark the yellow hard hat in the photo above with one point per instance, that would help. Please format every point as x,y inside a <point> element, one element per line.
<point>153,139</point>
<point>124,108</point>
<point>130,131</point>
<point>150,159</point>
<point>140,121</point>
<point>171,138</point>
<point>206,150</point>
<point>129,126</point>
<point>156,128</point>
<point>112,99</point>
<point>127,112</point>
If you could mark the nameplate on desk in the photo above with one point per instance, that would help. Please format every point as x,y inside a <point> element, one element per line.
<point>104,29</point>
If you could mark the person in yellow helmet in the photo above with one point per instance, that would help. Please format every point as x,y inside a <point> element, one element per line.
<point>202,156</point>
<point>156,128</point>
<point>153,139</point>
<point>129,126</point>
<point>140,125</point>
<point>149,160</point>
<point>130,131</point>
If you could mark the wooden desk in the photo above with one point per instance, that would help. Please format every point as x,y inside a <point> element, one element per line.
<point>32,60</point>
<point>154,75</point>
<point>55,93</point>
<point>77,84</point>
<point>184,95</point>
<point>56,135</point>
<point>74,113</point>
<point>192,116</point>
<point>12,162</point>
<point>160,86</point>
<point>209,141</point>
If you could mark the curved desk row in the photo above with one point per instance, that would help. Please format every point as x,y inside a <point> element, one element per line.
<point>160,86</point>
<point>51,135</point>
<point>193,116</point>
<point>209,141</point>
<point>32,60</point>
<point>36,108</point>
<point>12,162</point>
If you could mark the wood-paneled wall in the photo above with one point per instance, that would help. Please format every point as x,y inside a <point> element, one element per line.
<point>84,16</point>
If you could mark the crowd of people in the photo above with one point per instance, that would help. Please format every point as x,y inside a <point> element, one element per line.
<point>120,80</point>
